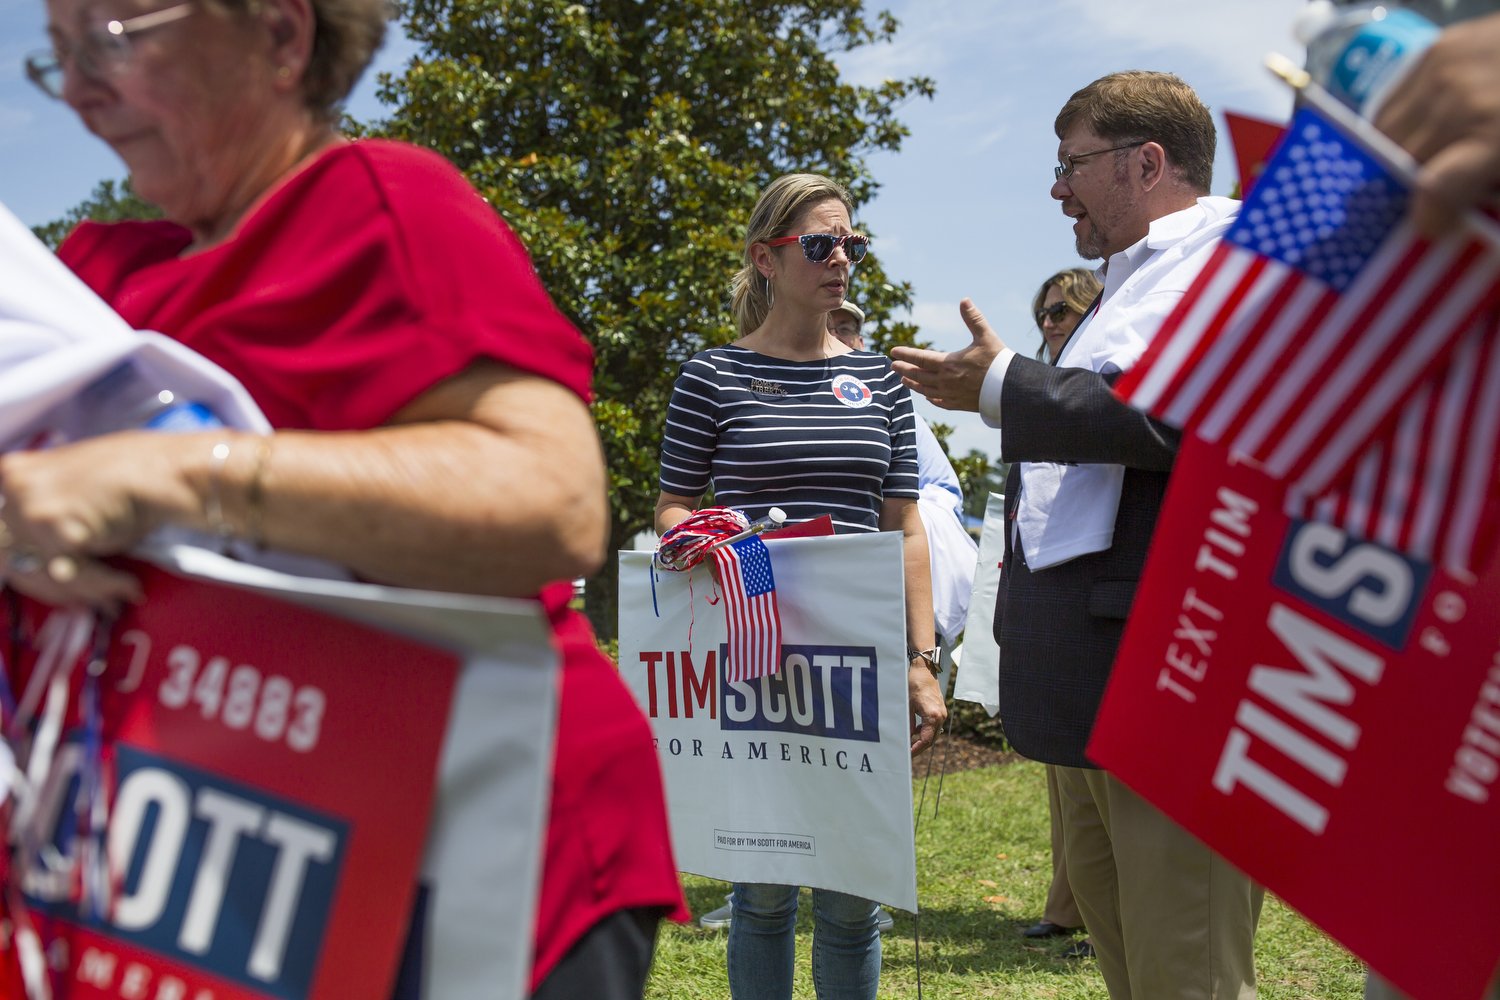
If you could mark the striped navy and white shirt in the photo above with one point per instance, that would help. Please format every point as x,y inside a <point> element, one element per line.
<point>834,436</point>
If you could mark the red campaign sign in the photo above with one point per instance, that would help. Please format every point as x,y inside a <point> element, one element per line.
<point>272,773</point>
<point>1334,717</point>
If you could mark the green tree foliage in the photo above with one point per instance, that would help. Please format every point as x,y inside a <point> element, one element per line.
<point>626,141</point>
<point>110,201</point>
<point>978,477</point>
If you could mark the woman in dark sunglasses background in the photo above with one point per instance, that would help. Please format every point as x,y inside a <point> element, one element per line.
<point>1059,307</point>
<point>837,427</point>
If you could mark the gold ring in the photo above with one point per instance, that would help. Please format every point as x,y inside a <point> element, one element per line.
<point>63,569</point>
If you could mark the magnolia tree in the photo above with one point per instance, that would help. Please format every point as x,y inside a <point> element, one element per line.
<point>626,141</point>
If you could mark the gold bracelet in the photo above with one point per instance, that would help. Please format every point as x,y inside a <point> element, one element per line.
<point>213,503</point>
<point>255,492</point>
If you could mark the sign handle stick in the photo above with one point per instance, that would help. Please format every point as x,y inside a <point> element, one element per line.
<point>775,518</point>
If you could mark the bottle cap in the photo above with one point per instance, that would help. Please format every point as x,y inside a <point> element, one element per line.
<point>1313,19</point>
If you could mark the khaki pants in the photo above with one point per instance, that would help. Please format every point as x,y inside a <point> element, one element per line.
<point>1169,919</point>
<point>1061,908</point>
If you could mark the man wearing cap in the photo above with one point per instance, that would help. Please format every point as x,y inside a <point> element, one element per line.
<point>846,322</point>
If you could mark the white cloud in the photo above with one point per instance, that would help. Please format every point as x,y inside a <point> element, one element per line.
<point>924,44</point>
<point>1216,46</point>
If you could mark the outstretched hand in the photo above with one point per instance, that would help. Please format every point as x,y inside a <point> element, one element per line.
<point>953,379</point>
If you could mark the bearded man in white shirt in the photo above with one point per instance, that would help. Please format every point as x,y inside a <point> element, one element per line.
<point>1169,919</point>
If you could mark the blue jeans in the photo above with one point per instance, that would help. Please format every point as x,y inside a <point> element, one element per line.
<point>762,944</point>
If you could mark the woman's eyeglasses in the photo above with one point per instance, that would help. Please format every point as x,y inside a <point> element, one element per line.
<point>1055,312</point>
<point>818,247</point>
<point>103,49</point>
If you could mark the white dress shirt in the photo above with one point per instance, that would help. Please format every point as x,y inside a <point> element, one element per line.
<point>1066,511</point>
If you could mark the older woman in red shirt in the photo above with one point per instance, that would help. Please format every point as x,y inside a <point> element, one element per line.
<point>422,385</point>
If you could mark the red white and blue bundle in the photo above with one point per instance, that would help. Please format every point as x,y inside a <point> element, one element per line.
<point>752,617</point>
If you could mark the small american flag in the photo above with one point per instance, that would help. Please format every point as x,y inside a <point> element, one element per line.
<point>1428,487</point>
<point>754,622</point>
<point>1325,339</point>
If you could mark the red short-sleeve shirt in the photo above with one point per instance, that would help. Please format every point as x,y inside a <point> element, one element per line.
<point>351,288</point>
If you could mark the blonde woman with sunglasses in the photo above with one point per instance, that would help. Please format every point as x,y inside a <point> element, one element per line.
<point>789,416</point>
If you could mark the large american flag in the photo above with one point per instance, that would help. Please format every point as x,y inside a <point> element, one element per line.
<point>1349,357</point>
<point>754,621</point>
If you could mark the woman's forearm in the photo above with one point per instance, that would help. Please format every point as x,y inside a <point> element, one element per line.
<point>491,482</point>
<point>446,506</point>
<point>487,484</point>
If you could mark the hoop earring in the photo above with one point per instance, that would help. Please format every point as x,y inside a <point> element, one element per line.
<point>770,295</point>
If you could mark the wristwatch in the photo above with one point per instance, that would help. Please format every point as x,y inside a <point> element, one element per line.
<point>930,657</point>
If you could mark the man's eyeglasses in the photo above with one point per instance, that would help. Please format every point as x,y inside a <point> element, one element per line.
<point>1055,312</point>
<point>103,49</point>
<point>1068,161</point>
<point>818,247</point>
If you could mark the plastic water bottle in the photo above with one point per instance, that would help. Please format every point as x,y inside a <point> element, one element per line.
<point>125,400</point>
<point>1358,52</point>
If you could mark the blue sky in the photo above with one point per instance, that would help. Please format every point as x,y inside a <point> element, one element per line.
<point>963,210</point>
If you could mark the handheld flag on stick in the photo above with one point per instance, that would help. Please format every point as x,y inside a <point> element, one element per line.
<point>744,565</point>
<point>750,604</point>
<point>1321,329</point>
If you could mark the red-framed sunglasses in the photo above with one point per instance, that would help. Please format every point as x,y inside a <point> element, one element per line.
<point>818,247</point>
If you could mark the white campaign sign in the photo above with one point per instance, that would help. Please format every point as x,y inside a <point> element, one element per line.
<point>803,778</point>
<point>979,664</point>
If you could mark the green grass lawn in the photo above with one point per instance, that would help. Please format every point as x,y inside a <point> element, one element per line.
<point>983,866</point>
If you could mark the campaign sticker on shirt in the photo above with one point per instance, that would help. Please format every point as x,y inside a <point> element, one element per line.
<point>851,391</point>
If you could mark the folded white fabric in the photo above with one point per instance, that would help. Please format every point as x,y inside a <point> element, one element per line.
<point>57,337</point>
<point>978,658</point>
<point>952,554</point>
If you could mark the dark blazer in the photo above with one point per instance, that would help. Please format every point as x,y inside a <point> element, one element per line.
<point>1059,628</point>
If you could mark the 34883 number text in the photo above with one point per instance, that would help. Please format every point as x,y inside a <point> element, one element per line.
<point>271,707</point>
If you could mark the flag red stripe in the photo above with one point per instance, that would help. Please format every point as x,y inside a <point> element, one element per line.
<point>1129,383</point>
<point>1326,343</point>
<point>1380,372</point>
<point>1261,341</point>
<point>1181,394</point>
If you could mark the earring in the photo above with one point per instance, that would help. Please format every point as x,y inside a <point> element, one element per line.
<point>770,295</point>
<point>283,73</point>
